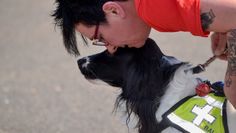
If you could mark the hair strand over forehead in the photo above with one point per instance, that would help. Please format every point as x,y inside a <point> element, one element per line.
<point>68,13</point>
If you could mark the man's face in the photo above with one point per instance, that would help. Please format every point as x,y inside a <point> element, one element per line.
<point>123,27</point>
<point>116,35</point>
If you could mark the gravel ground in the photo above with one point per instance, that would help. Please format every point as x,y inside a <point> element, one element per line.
<point>41,89</point>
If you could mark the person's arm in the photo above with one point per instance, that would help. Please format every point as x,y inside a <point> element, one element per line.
<point>219,41</point>
<point>219,16</point>
<point>230,77</point>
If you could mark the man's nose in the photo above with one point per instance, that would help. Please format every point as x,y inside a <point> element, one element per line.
<point>111,49</point>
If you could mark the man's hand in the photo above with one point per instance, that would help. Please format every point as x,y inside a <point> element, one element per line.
<point>218,45</point>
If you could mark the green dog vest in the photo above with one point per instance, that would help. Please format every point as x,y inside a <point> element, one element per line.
<point>196,114</point>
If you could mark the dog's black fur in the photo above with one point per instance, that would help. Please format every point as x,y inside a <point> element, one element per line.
<point>151,83</point>
<point>142,73</point>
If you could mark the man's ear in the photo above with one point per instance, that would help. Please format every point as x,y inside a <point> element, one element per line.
<point>114,9</point>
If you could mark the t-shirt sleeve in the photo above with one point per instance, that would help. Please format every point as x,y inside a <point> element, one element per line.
<point>172,15</point>
<point>190,13</point>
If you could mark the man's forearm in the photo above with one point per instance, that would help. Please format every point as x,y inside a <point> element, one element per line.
<point>230,77</point>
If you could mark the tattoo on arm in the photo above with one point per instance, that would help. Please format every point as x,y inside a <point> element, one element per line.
<point>207,19</point>
<point>231,70</point>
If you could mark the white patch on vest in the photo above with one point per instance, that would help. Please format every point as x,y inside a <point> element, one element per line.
<point>202,114</point>
<point>188,126</point>
<point>211,101</point>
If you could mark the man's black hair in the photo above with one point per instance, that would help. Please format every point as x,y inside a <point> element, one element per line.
<point>70,12</point>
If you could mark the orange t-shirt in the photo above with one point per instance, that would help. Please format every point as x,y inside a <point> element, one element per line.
<point>172,15</point>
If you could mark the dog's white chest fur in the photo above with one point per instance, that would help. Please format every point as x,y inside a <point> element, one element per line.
<point>183,84</point>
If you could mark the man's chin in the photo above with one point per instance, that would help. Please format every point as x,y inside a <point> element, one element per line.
<point>138,45</point>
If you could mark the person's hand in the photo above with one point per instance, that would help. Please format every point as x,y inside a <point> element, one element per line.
<point>219,44</point>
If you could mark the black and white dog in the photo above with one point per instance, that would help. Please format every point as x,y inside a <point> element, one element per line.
<point>152,83</point>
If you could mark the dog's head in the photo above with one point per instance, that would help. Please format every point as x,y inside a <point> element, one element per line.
<point>115,69</point>
<point>142,73</point>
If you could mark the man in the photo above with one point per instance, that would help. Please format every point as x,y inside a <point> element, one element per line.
<point>116,23</point>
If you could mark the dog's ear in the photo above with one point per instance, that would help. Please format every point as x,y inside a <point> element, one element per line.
<point>145,67</point>
<point>151,49</point>
<point>141,93</point>
<point>143,77</point>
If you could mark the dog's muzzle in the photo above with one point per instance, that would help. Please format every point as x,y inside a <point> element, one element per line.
<point>83,64</point>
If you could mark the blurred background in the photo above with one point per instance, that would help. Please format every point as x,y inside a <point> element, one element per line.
<point>41,88</point>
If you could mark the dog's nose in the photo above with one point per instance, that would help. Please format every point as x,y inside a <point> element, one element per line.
<point>81,61</point>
